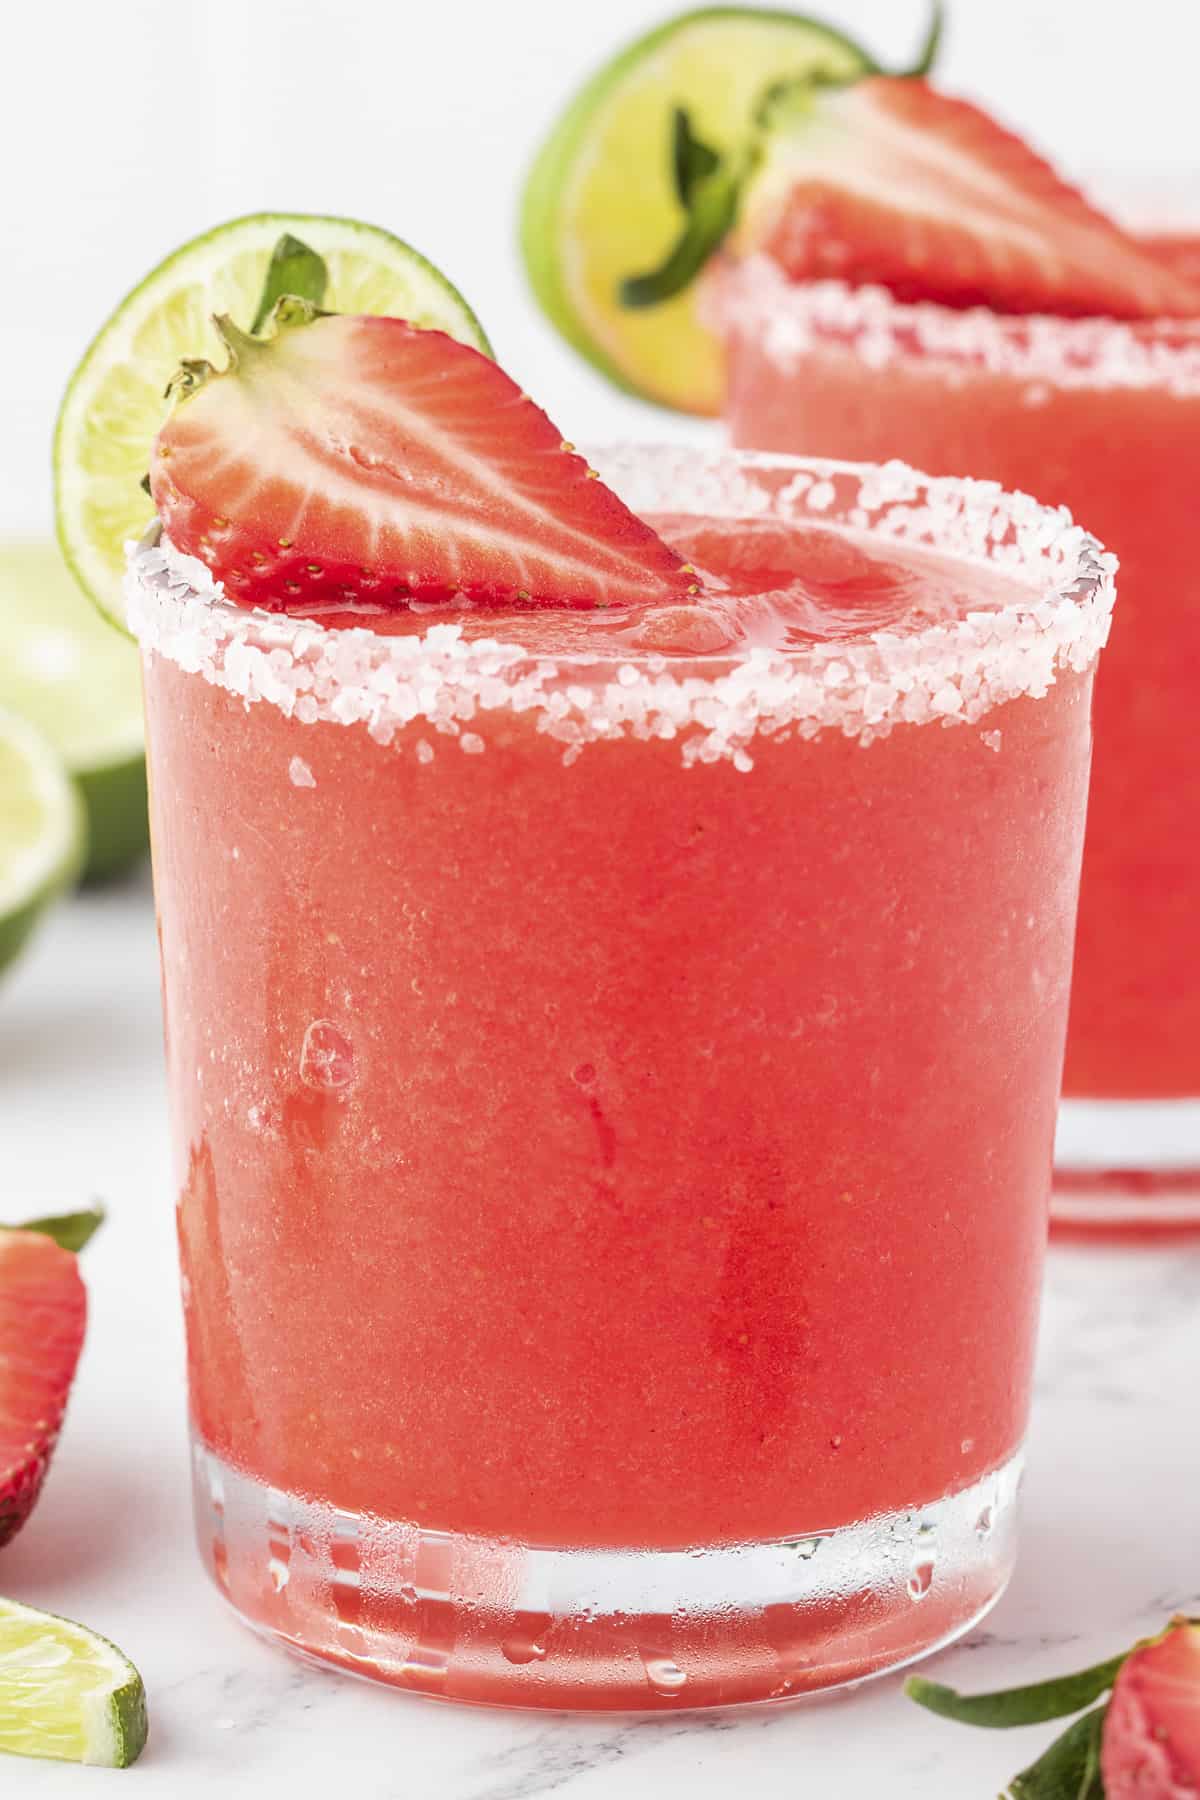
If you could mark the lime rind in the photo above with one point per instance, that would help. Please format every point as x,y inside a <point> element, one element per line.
<point>600,204</point>
<point>79,683</point>
<point>117,799</point>
<point>42,831</point>
<point>115,401</point>
<point>66,1692</point>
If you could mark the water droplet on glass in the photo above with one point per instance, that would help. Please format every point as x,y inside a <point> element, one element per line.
<point>521,1650</point>
<point>664,1675</point>
<point>985,1522</point>
<point>584,1074</point>
<point>967,1445</point>
<point>408,1594</point>
<point>278,1570</point>
<point>326,1057</point>
<point>921,1580</point>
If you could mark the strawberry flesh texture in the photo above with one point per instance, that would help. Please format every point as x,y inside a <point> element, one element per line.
<point>889,182</point>
<point>1151,1744</point>
<point>363,463</point>
<point>43,1312</point>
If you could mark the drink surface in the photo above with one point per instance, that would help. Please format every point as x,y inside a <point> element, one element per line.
<point>760,584</point>
<point>585,1146</point>
<point>1102,418</point>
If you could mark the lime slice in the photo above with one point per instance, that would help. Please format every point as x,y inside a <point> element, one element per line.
<point>42,834</point>
<point>66,1693</point>
<point>114,404</point>
<point>63,668</point>
<point>601,202</point>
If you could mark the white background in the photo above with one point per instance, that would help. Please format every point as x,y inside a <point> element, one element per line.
<point>126,126</point>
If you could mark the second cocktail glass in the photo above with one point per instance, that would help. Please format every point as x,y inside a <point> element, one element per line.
<point>1102,417</point>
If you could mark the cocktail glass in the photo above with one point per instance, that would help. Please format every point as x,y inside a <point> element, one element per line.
<point>613,1094</point>
<point>1103,418</point>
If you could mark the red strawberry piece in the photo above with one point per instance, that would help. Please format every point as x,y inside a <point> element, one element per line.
<point>890,182</point>
<point>43,1310</point>
<point>1151,1744</point>
<point>1179,253</point>
<point>363,462</point>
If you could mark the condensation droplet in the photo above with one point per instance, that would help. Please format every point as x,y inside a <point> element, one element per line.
<point>408,1594</point>
<point>326,1057</point>
<point>967,1445</point>
<point>921,1580</point>
<point>664,1675</point>
<point>584,1074</point>
<point>278,1570</point>
<point>985,1523</point>
<point>521,1651</point>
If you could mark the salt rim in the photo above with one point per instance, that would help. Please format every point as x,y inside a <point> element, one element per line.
<point>945,674</point>
<point>753,298</point>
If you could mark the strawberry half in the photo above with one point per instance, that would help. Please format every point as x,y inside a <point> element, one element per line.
<point>43,1311</point>
<point>889,182</point>
<point>363,462</point>
<point>1151,1744</point>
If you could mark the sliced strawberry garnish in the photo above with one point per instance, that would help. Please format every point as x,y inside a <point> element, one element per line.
<point>1151,1743</point>
<point>1176,251</point>
<point>360,461</point>
<point>888,181</point>
<point>43,1309</point>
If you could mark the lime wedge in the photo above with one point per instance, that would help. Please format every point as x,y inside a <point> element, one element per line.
<point>66,1693</point>
<point>115,402</point>
<point>601,201</point>
<point>42,834</point>
<point>80,684</point>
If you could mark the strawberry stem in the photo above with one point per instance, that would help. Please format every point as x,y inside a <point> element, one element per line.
<point>932,46</point>
<point>239,343</point>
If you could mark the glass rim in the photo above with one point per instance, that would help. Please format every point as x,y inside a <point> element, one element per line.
<point>944,672</point>
<point>753,297</point>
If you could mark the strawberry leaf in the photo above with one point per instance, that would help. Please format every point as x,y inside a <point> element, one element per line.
<point>1033,1705</point>
<point>293,269</point>
<point>1070,1768</point>
<point>712,212</point>
<point>691,158</point>
<point>70,1231</point>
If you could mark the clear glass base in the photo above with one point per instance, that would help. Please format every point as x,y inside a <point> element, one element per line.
<point>1127,1165</point>
<point>501,1623</point>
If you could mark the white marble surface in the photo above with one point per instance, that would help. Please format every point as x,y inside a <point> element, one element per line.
<point>1111,1538</point>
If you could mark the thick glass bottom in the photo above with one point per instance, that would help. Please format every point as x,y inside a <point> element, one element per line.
<point>1127,1165</point>
<point>501,1623</point>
